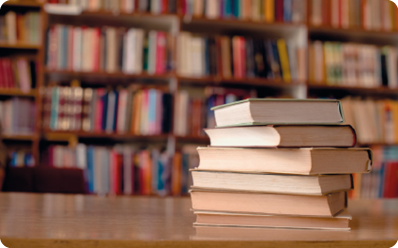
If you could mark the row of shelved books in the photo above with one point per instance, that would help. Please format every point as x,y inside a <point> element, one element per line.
<point>126,6</point>
<point>352,64</point>
<point>17,73</point>
<point>255,10</point>
<point>374,120</point>
<point>240,57</point>
<point>367,14</point>
<point>382,182</point>
<point>127,170</point>
<point>193,113</point>
<point>17,116</point>
<point>21,159</point>
<point>24,28</point>
<point>109,49</point>
<point>139,112</point>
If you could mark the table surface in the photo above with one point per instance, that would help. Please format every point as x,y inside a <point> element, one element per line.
<point>49,220</point>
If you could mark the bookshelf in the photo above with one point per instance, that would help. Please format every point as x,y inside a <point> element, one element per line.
<point>302,33</point>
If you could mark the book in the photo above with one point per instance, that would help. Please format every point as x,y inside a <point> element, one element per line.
<point>276,111</point>
<point>222,219</point>
<point>272,204</point>
<point>271,183</point>
<point>305,161</point>
<point>283,136</point>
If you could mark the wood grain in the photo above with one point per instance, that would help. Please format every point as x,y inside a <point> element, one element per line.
<point>33,220</point>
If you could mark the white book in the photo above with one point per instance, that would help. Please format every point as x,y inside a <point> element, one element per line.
<point>84,4</point>
<point>86,47</point>
<point>129,54</point>
<point>81,156</point>
<point>121,111</point>
<point>155,7</point>
<point>212,9</point>
<point>129,6</point>
<point>64,9</point>
<point>152,52</point>
<point>77,48</point>
<point>387,25</point>
<point>139,44</point>
<point>197,56</point>
<point>110,112</point>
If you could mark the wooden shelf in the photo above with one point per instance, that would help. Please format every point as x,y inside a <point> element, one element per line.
<point>26,137</point>
<point>63,135</point>
<point>361,90</point>
<point>16,92</point>
<point>193,139</point>
<point>19,45</point>
<point>23,3</point>
<point>104,76</point>
<point>218,81</point>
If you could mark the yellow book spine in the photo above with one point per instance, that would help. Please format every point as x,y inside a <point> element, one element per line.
<point>269,10</point>
<point>284,60</point>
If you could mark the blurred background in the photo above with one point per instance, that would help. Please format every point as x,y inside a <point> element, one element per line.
<point>110,97</point>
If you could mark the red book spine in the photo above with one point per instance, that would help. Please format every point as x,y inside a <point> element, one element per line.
<point>132,172</point>
<point>160,52</point>
<point>2,74</point>
<point>96,47</point>
<point>119,174</point>
<point>279,10</point>
<point>8,73</point>
<point>236,57</point>
<point>98,111</point>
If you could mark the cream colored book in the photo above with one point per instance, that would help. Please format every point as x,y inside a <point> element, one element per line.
<point>279,111</point>
<point>304,161</point>
<point>272,204</point>
<point>271,183</point>
<point>223,219</point>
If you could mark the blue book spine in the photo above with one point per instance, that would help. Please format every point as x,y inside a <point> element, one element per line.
<point>382,181</point>
<point>236,8</point>
<point>227,8</point>
<point>13,159</point>
<point>104,111</point>
<point>54,108</point>
<point>287,10</point>
<point>90,169</point>
<point>115,110</point>
<point>152,109</point>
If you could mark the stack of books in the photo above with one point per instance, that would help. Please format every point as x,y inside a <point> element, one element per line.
<point>278,163</point>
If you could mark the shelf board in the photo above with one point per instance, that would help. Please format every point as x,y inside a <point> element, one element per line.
<point>23,3</point>
<point>27,137</point>
<point>193,139</point>
<point>62,135</point>
<point>101,76</point>
<point>218,81</point>
<point>16,92</point>
<point>363,90</point>
<point>19,45</point>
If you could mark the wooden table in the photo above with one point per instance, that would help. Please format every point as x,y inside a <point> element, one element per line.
<point>31,220</point>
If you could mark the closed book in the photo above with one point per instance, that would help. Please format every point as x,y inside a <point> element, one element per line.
<point>279,111</point>
<point>279,10</point>
<point>87,109</point>
<point>284,60</point>
<point>283,136</point>
<point>304,161</point>
<point>271,183</point>
<point>160,52</point>
<point>339,222</point>
<point>273,204</point>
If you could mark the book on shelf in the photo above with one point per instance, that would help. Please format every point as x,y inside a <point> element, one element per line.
<point>17,116</point>
<point>20,27</point>
<point>109,49</point>
<point>271,183</point>
<point>379,15</point>
<point>255,111</point>
<point>304,161</point>
<point>259,203</point>
<point>18,73</point>
<point>122,111</point>
<point>21,158</point>
<point>283,136</point>
<point>239,57</point>
<point>125,169</point>
<point>193,113</point>
<point>382,181</point>
<point>353,65</point>
<point>223,219</point>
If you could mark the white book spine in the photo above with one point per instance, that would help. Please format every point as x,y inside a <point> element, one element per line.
<point>77,49</point>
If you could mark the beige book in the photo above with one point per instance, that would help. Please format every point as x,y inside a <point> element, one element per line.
<point>305,161</point>
<point>222,219</point>
<point>271,183</point>
<point>273,204</point>
<point>278,111</point>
